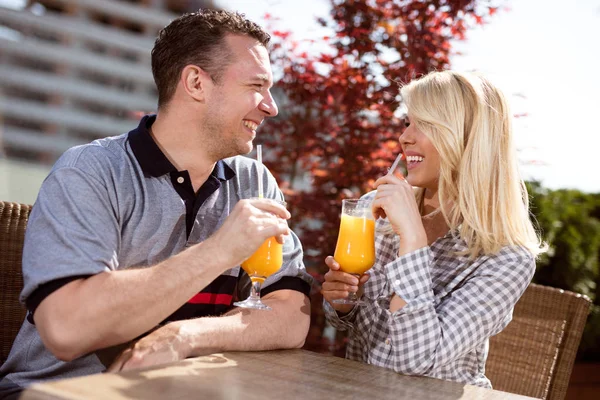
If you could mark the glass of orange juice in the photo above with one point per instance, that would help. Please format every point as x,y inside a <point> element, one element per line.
<point>259,266</point>
<point>355,249</point>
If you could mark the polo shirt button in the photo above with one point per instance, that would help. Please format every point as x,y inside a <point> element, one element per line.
<point>180,179</point>
<point>388,341</point>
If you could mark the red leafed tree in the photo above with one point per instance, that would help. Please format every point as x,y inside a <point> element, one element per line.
<point>338,127</point>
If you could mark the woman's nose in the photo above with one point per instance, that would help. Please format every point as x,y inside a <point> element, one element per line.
<point>407,137</point>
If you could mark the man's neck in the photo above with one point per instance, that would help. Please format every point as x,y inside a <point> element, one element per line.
<point>177,139</point>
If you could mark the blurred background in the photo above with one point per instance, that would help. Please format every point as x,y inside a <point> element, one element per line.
<point>72,71</point>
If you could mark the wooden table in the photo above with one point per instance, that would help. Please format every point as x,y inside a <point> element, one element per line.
<point>282,374</point>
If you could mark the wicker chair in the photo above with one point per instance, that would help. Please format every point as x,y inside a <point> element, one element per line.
<point>13,220</point>
<point>534,354</point>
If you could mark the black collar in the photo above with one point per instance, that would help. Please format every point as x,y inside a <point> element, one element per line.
<point>152,159</point>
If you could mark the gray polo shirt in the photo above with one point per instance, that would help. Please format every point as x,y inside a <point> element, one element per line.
<point>119,203</point>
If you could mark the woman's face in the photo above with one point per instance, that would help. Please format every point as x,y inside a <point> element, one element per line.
<point>422,159</point>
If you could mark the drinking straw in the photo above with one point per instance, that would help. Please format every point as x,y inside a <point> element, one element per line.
<point>395,164</point>
<point>259,159</point>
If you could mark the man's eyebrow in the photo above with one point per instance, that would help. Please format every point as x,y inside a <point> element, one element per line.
<point>261,77</point>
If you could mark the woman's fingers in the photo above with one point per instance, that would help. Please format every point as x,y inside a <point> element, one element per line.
<point>334,295</point>
<point>339,276</point>
<point>363,279</point>
<point>338,286</point>
<point>378,208</point>
<point>331,263</point>
<point>389,179</point>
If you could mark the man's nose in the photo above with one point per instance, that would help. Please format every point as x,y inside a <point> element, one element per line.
<point>268,106</point>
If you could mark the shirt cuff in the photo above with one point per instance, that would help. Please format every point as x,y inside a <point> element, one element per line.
<point>410,278</point>
<point>345,322</point>
<point>289,283</point>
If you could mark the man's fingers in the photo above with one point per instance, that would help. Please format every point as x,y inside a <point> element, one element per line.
<point>117,365</point>
<point>133,362</point>
<point>280,239</point>
<point>274,227</point>
<point>271,206</point>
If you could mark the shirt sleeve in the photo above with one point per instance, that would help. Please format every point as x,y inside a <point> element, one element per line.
<point>339,322</point>
<point>426,336</point>
<point>72,230</point>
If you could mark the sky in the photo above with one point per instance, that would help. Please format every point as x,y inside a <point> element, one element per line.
<point>544,55</point>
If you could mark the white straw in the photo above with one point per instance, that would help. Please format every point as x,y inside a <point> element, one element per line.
<point>395,164</point>
<point>259,159</point>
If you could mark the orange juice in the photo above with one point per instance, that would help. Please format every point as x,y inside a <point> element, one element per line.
<point>355,249</point>
<point>265,261</point>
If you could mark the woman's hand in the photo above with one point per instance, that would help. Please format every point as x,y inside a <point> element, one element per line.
<point>339,284</point>
<point>395,200</point>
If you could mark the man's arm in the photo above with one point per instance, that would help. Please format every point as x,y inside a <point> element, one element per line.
<point>110,308</point>
<point>284,327</point>
<point>241,329</point>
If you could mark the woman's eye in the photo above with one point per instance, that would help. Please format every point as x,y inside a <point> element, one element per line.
<point>406,123</point>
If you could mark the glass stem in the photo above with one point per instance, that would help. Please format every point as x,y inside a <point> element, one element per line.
<point>255,289</point>
<point>352,295</point>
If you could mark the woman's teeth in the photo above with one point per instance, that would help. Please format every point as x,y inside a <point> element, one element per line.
<point>414,159</point>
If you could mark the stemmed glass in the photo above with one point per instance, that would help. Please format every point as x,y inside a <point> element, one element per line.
<point>355,249</point>
<point>263,263</point>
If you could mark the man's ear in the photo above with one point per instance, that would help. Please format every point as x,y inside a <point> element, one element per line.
<point>195,82</point>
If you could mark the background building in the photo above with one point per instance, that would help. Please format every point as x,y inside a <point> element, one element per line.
<point>72,71</point>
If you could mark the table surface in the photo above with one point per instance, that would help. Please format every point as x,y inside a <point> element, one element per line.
<point>280,374</point>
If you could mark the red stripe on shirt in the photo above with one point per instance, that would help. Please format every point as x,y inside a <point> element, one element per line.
<point>211,298</point>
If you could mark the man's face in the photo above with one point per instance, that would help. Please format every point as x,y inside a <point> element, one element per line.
<point>239,103</point>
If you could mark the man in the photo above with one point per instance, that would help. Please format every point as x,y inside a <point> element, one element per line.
<point>142,235</point>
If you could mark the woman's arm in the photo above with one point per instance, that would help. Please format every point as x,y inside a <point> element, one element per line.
<point>425,336</point>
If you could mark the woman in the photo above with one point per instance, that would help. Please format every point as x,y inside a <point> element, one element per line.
<point>454,253</point>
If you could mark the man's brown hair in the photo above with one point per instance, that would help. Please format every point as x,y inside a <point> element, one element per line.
<point>199,39</point>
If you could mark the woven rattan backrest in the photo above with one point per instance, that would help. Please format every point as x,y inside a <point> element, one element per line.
<point>13,220</point>
<point>534,355</point>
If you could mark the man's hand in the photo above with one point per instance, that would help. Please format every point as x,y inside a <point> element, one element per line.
<point>251,222</point>
<point>161,346</point>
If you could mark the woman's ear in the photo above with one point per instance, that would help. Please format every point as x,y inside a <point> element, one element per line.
<point>195,82</point>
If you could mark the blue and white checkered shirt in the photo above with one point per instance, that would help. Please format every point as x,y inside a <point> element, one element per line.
<point>453,306</point>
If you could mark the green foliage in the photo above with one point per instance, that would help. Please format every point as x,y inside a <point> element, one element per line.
<point>569,221</point>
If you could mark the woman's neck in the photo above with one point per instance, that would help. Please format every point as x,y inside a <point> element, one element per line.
<point>430,202</point>
<point>431,216</point>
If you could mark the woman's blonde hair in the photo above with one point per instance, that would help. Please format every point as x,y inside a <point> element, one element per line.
<point>481,193</point>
